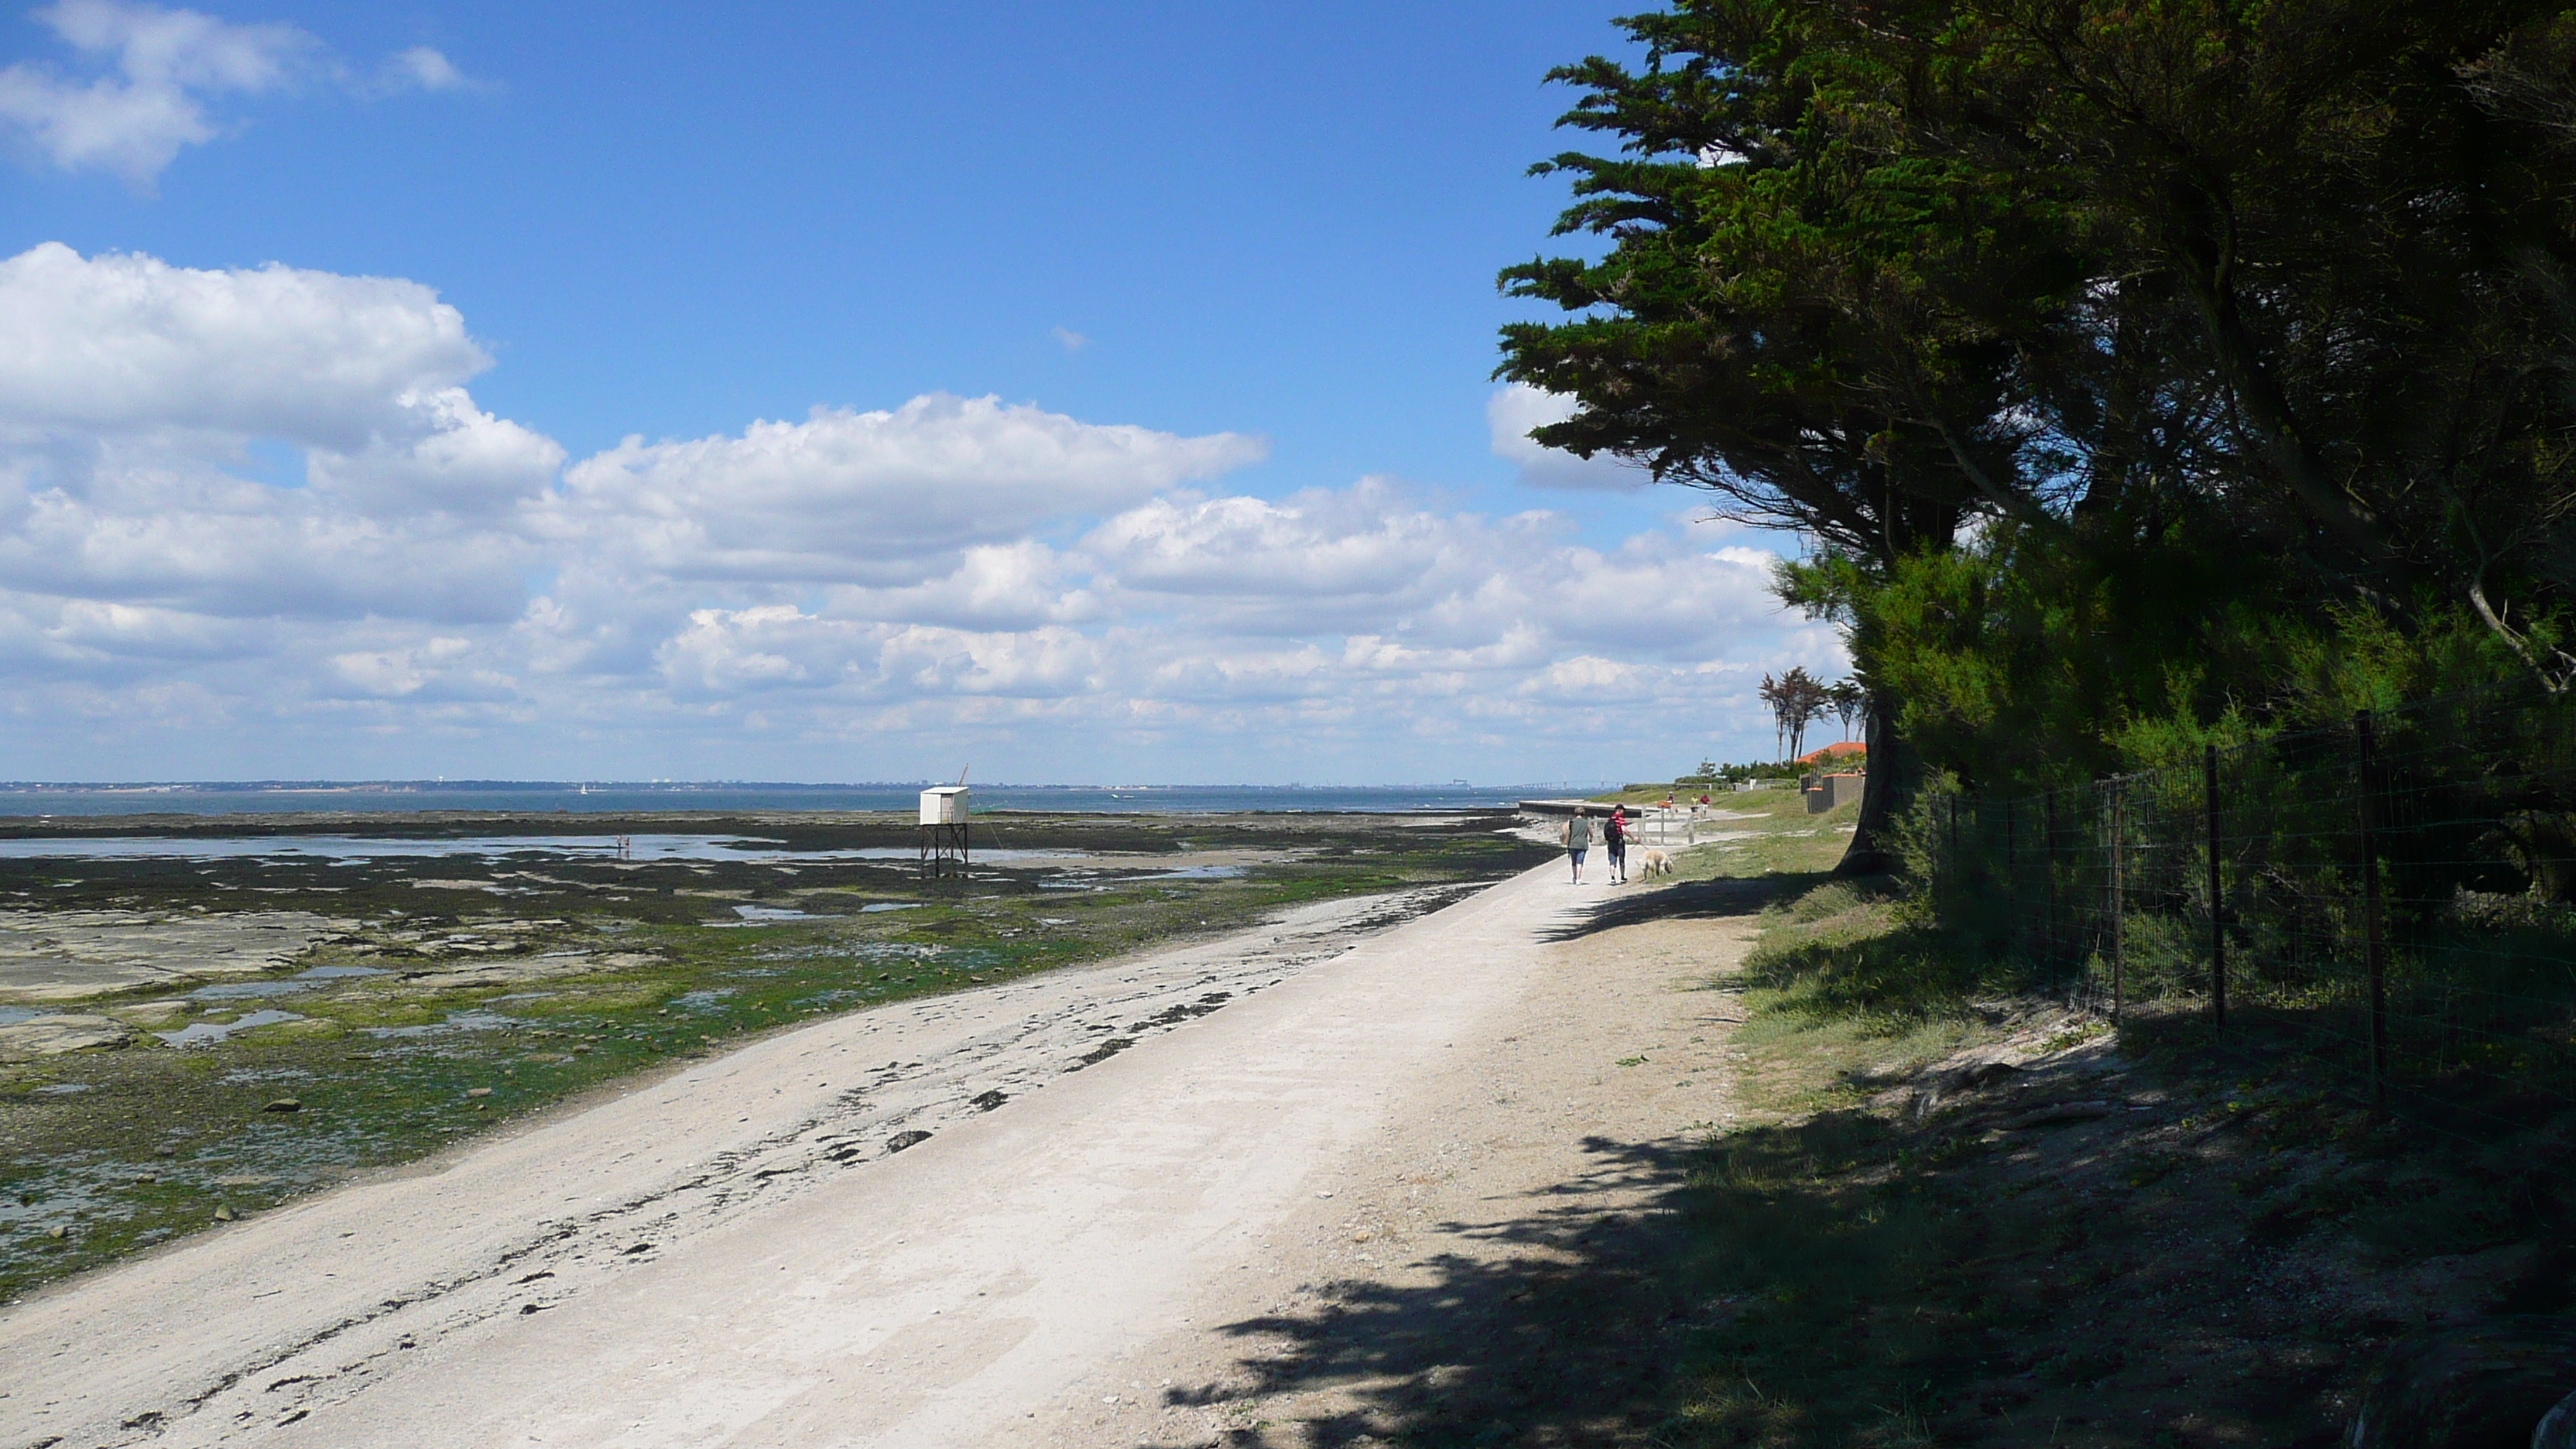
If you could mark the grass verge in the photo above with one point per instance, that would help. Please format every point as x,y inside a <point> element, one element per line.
<point>1969,1216</point>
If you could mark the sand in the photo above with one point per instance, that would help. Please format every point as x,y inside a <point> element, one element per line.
<point>1084,1208</point>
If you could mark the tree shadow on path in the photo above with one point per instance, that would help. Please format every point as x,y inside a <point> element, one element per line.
<point>1696,900</point>
<point>1562,1333</point>
<point>1559,1339</point>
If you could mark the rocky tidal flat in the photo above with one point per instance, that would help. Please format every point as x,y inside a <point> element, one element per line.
<point>203,1016</point>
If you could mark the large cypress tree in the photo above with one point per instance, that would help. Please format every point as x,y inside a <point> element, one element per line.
<point>2202,323</point>
<point>1776,322</point>
<point>2353,222</point>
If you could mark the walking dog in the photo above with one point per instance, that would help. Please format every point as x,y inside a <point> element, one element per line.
<point>1657,862</point>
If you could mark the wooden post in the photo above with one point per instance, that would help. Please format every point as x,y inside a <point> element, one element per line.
<point>2119,907</point>
<point>2377,948</point>
<point>2048,866</point>
<point>2217,900</point>
<point>943,845</point>
<point>2012,870</point>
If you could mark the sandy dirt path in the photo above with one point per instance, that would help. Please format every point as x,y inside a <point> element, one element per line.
<point>1272,1191</point>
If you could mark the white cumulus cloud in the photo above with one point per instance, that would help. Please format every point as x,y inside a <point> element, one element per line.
<point>441,455</point>
<point>131,391</point>
<point>1514,410</point>
<point>418,68</point>
<point>124,344</point>
<point>153,74</point>
<point>848,496</point>
<point>864,592</point>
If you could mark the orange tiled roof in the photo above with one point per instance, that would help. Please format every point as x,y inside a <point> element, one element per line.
<point>1838,747</point>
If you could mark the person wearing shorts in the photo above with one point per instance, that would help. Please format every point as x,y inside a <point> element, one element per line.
<point>1578,840</point>
<point>1614,841</point>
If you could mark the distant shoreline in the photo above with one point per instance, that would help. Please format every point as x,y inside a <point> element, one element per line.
<point>22,803</point>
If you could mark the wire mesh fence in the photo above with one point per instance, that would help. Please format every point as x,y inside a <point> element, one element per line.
<point>2394,898</point>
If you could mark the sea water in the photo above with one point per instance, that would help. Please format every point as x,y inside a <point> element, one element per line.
<point>541,796</point>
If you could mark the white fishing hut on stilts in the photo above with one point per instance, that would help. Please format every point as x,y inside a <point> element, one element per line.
<point>944,841</point>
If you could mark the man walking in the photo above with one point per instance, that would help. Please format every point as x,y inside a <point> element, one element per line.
<point>1614,835</point>
<point>1578,839</point>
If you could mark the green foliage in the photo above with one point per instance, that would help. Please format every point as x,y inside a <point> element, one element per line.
<point>2142,376</point>
<point>1712,773</point>
<point>2365,660</point>
<point>2024,664</point>
<point>1779,319</point>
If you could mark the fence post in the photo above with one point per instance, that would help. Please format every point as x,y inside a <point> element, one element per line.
<point>2012,871</point>
<point>2377,955</point>
<point>2119,907</point>
<point>2217,901</point>
<point>2048,866</point>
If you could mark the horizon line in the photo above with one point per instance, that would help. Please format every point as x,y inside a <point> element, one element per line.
<point>443,783</point>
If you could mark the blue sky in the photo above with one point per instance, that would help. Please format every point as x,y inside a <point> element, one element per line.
<point>1275,224</point>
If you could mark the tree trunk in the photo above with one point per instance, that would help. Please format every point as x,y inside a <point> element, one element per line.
<point>1882,794</point>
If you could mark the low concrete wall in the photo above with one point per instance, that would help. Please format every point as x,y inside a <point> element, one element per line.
<point>1824,792</point>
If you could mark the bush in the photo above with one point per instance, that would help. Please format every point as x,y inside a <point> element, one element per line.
<point>1710,773</point>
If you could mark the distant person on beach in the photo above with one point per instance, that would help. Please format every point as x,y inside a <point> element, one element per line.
<point>1578,839</point>
<point>1614,836</point>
